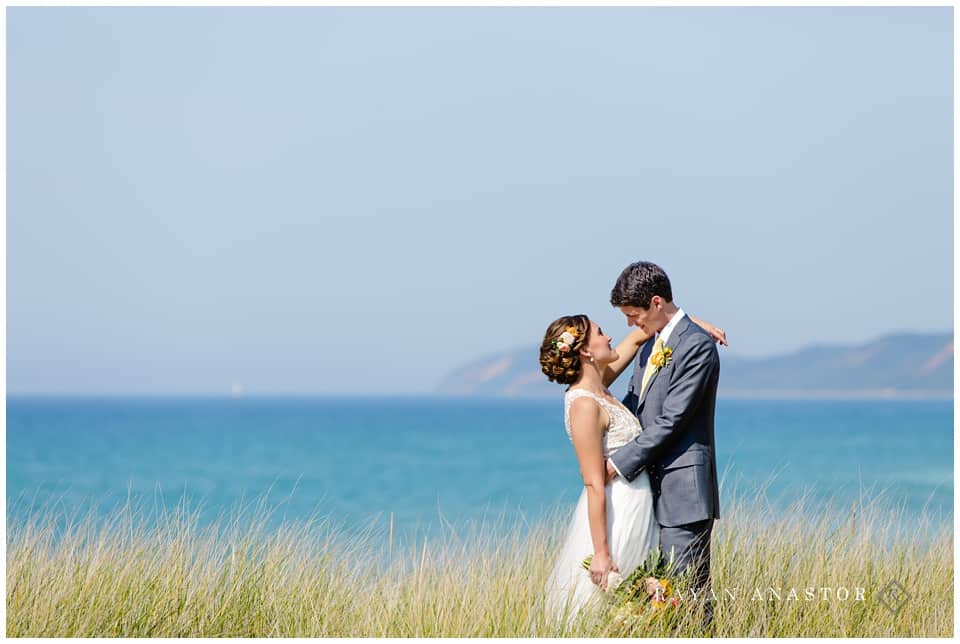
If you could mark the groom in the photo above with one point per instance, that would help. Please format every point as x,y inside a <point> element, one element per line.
<point>673,392</point>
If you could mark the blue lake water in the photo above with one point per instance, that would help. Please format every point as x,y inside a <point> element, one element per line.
<point>359,460</point>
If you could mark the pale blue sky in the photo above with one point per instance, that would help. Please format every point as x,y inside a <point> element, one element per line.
<point>325,200</point>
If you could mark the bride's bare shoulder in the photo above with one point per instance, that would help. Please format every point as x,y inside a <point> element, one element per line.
<point>586,414</point>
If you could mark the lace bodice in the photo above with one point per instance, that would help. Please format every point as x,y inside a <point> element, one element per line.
<point>624,426</point>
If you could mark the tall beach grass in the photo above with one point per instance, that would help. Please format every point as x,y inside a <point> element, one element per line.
<point>127,575</point>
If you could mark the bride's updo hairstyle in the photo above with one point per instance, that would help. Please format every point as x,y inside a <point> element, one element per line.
<point>560,360</point>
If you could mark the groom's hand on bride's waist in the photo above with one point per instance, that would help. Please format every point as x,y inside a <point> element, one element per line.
<point>612,472</point>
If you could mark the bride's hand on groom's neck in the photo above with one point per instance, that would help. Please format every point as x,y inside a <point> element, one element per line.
<point>718,334</point>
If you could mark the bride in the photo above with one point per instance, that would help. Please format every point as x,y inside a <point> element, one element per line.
<point>616,523</point>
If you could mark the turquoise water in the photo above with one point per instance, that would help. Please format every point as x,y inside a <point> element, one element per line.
<point>359,460</point>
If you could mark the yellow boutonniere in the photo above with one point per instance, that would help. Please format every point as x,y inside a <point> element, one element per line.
<point>661,358</point>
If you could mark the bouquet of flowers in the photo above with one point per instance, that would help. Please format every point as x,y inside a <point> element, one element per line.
<point>649,582</point>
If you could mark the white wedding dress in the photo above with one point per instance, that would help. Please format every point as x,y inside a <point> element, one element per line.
<point>632,529</point>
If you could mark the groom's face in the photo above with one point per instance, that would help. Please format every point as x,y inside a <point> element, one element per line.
<point>652,320</point>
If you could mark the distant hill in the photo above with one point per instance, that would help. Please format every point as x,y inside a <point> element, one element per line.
<point>896,366</point>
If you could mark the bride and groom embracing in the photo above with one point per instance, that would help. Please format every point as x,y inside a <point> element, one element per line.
<point>648,463</point>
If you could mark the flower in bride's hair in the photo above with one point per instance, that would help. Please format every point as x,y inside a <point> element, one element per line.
<point>567,338</point>
<point>563,347</point>
<point>572,330</point>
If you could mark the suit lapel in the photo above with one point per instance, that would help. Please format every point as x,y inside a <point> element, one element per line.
<point>674,340</point>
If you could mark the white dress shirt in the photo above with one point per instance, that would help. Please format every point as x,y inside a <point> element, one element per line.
<point>671,325</point>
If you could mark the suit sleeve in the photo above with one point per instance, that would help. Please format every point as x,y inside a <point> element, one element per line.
<point>696,368</point>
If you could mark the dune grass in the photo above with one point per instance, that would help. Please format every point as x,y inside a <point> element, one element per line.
<point>126,576</point>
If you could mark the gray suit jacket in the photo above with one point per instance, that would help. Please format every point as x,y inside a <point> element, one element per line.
<point>676,413</point>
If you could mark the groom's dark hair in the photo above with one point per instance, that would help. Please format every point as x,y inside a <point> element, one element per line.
<point>638,283</point>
